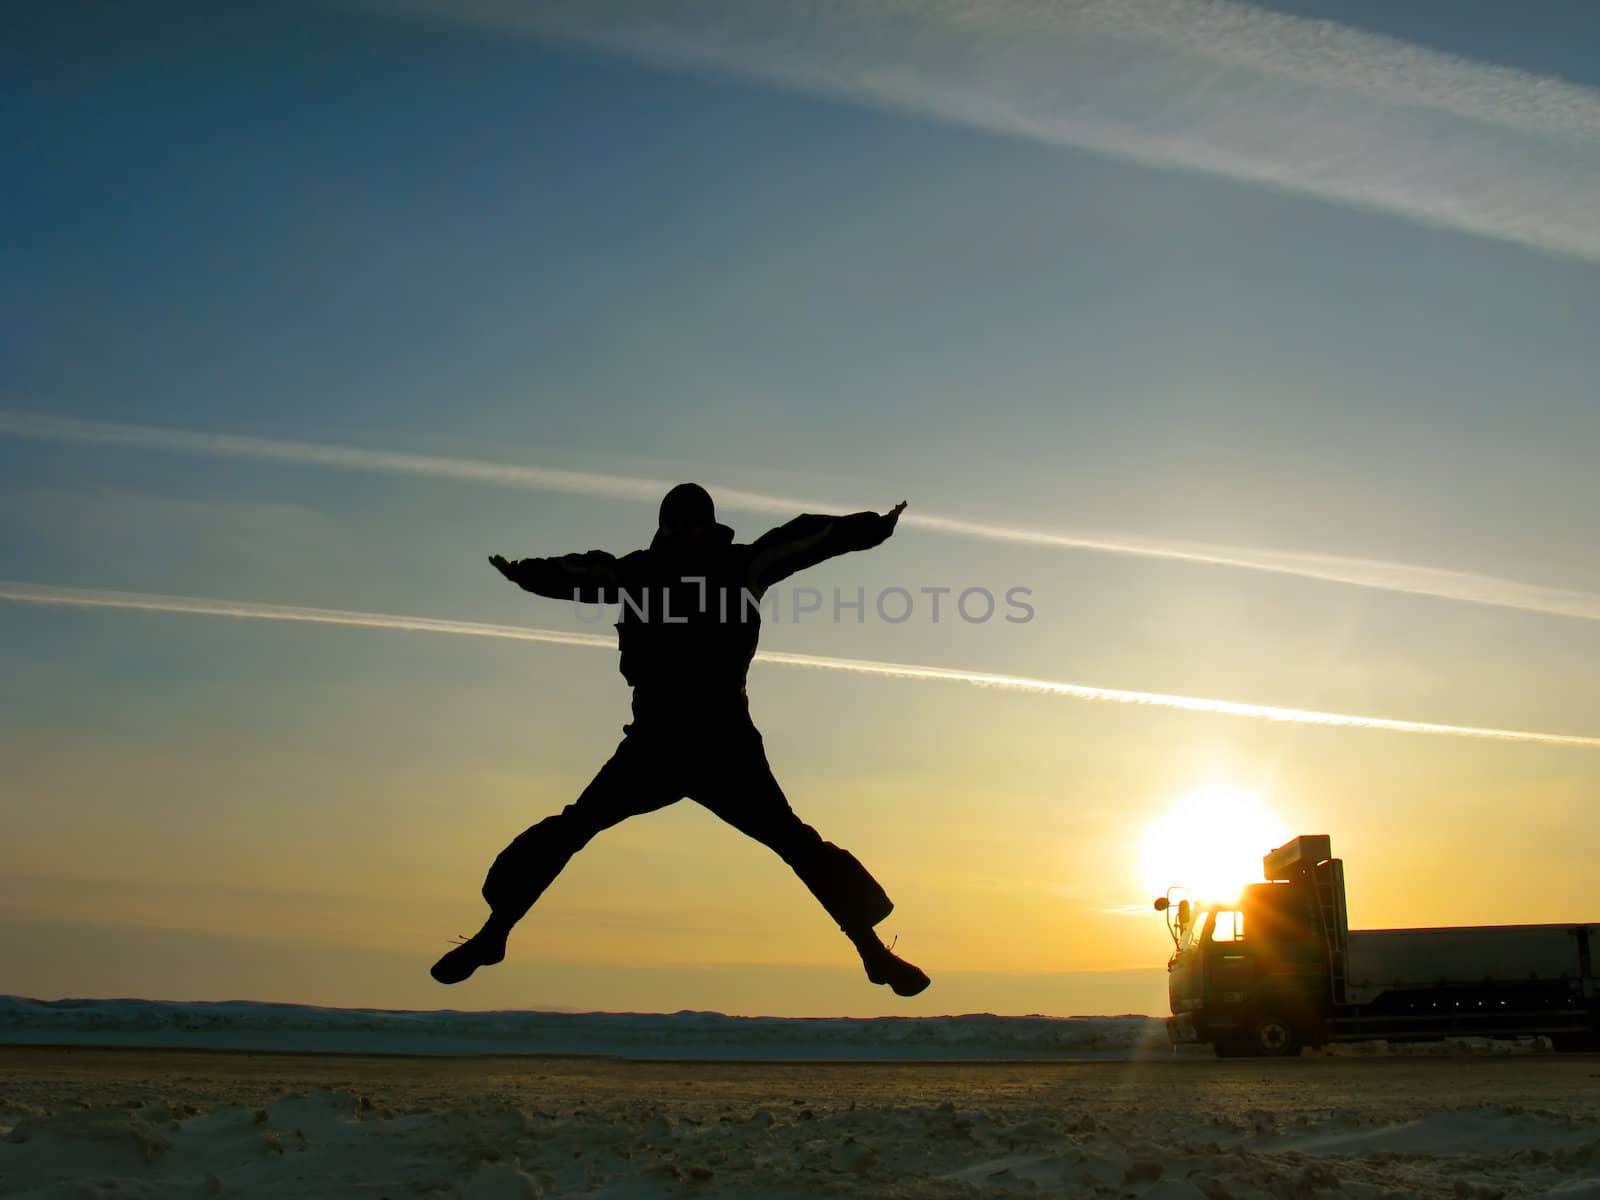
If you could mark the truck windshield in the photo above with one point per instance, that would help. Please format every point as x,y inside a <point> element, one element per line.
<point>1191,933</point>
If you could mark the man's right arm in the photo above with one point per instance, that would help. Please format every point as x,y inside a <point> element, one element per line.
<point>590,578</point>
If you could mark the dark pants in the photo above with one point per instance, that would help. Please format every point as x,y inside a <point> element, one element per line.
<point>714,756</point>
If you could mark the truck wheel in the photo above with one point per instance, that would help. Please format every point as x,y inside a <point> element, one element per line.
<point>1272,1035</point>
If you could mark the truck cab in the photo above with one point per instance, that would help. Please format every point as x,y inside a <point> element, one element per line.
<point>1244,974</point>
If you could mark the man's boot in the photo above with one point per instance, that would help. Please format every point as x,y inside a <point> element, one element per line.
<point>482,949</point>
<point>884,966</point>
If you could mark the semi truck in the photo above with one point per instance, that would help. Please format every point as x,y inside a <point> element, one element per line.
<point>1278,969</point>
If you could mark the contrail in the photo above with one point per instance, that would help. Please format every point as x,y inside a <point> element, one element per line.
<point>27,593</point>
<point>1225,88</point>
<point>1463,586</point>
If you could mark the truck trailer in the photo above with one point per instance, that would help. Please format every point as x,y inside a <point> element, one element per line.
<point>1278,969</point>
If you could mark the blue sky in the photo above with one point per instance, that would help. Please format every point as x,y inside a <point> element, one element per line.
<point>338,226</point>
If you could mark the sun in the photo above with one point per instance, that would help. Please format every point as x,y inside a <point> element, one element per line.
<point>1210,842</point>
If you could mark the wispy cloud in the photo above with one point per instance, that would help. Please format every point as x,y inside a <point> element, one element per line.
<point>1209,85</point>
<point>1421,580</point>
<point>28,593</point>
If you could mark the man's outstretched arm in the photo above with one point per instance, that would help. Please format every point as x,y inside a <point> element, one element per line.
<point>810,539</point>
<point>590,578</point>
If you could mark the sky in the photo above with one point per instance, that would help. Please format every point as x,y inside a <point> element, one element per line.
<point>1258,349</point>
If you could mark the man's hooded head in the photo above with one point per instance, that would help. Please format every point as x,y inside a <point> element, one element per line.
<point>688,513</point>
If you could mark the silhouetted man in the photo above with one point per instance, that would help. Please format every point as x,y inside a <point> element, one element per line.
<point>688,627</point>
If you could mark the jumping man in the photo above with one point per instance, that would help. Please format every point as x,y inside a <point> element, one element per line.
<point>687,631</point>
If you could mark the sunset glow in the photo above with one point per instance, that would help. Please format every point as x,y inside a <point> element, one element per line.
<point>1210,842</point>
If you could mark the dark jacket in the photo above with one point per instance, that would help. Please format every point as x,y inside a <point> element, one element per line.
<point>690,614</point>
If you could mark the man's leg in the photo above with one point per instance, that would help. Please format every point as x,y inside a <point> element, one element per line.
<point>632,781</point>
<point>740,788</point>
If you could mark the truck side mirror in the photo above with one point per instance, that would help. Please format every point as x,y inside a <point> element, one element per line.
<point>1162,904</point>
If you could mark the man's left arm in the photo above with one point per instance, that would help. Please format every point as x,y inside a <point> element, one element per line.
<point>812,538</point>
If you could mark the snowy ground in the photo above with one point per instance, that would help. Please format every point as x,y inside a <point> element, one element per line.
<point>85,1122</point>
<point>248,1025</point>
